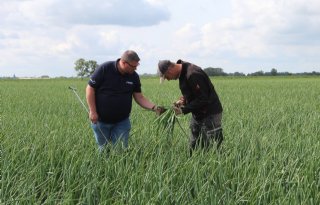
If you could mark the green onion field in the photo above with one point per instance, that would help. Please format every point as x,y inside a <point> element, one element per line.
<point>271,152</point>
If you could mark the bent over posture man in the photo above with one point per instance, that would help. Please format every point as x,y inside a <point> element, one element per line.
<point>199,98</point>
<point>109,96</point>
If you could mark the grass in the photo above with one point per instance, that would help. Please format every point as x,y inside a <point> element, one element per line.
<point>270,155</point>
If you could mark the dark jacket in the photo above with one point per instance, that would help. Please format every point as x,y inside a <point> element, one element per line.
<point>196,87</point>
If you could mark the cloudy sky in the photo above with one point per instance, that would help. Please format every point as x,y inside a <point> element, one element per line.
<point>46,37</point>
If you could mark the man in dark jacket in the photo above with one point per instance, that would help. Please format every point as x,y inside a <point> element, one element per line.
<point>199,98</point>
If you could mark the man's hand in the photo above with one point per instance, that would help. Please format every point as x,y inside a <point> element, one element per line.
<point>177,110</point>
<point>180,102</point>
<point>93,117</point>
<point>160,110</point>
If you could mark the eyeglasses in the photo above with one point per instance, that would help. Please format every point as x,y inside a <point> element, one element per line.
<point>132,66</point>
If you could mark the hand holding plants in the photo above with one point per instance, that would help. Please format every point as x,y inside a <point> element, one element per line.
<point>177,110</point>
<point>160,110</point>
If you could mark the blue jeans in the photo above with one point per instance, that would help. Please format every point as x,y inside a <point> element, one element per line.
<point>106,133</point>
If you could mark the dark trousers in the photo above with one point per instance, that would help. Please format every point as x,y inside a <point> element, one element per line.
<point>205,132</point>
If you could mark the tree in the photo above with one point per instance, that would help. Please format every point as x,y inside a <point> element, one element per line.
<point>80,67</point>
<point>274,72</point>
<point>91,65</point>
<point>85,68</point>
<point>214,71</point>
<point>238,74</point>
<point>258,73</point>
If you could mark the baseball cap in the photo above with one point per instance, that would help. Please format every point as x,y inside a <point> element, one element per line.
<point>163,67</point>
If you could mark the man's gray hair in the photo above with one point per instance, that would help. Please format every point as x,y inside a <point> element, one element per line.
<point>130,56</point>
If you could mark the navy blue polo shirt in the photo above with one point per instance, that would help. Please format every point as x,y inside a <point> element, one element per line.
<point>113,92</point>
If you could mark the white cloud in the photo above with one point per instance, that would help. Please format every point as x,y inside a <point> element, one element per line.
<point>247,35</point>
<point>115,12</point>
<point>256,28</point>
<point>97,12</point>
<point>108,38</point>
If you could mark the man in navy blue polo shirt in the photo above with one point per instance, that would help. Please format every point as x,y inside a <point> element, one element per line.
<point>109,96</point>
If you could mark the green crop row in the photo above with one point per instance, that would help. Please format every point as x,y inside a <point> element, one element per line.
<point>271,153</point>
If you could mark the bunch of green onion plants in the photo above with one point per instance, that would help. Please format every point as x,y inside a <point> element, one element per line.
<point>166,121</point>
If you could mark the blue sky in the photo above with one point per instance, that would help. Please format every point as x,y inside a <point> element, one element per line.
<point>46,37</point>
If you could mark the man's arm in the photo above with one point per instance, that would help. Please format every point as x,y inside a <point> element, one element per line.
<point>91,101</point>
<point>143,101</point>
<point>200,90</point>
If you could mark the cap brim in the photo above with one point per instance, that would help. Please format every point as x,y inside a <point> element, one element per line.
<point>161,80</point>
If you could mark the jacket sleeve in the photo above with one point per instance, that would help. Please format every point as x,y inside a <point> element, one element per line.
<point>201,90</point>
